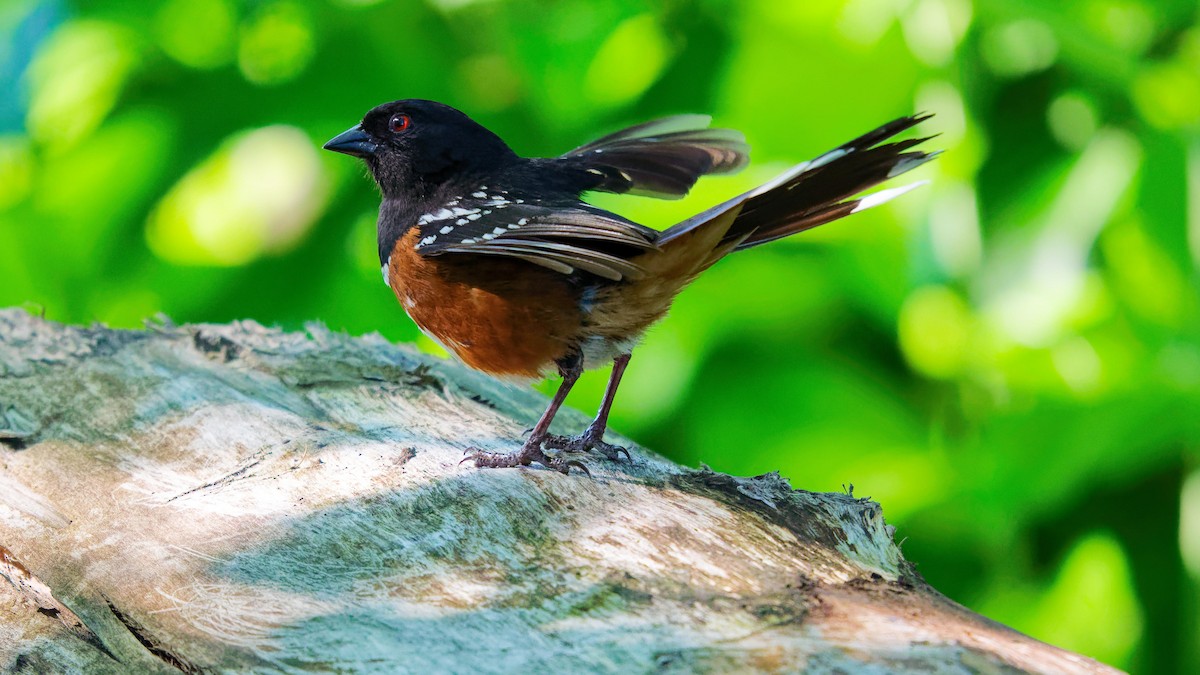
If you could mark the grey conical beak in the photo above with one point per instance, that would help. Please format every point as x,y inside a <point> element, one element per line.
<point>353,141</point>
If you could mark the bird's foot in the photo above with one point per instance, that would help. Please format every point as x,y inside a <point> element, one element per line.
<point>591,439</point>
<point>530,452</point>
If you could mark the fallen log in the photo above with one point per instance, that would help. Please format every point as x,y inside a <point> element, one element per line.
<point>213,498</point>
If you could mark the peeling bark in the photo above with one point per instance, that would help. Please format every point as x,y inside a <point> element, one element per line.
<point>233,498</point>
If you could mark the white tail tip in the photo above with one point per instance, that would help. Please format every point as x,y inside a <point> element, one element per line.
<point>877,198</point>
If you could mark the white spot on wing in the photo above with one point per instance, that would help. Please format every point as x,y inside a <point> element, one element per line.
<point>445,213</point>
<point>447,229</point>
<point>479,195</point>
<point>427,240</point>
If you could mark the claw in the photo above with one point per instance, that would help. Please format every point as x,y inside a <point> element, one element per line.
<point>564,466</point>
<point>529,453</point>
<point>577,464</point>
<point>586,442</point>
<point>494,460</point>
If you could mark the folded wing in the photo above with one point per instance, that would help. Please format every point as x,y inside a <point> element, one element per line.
<point>561,238</point>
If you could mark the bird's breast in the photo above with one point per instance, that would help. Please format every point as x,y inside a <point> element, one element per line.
<point>504,317</point>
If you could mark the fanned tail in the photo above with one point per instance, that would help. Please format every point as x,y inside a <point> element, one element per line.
<point>813,193</point>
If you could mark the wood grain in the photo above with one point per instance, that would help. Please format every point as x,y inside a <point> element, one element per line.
<point>235,498</point>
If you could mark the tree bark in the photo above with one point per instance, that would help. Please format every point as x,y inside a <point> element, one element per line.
<point>233,498</point>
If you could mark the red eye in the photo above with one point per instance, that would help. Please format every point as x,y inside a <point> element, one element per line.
<point>399,123</point>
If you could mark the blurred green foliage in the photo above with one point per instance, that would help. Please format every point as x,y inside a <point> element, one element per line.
<point>1008,359</point>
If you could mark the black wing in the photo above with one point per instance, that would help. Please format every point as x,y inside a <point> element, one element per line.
<point>662,158</point>
<point>564,239</point>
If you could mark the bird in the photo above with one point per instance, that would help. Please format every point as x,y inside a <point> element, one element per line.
<point>499,258</point>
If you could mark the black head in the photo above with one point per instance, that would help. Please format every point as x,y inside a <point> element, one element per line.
<point>414,146</point>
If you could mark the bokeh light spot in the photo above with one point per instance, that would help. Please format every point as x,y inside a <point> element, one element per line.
<point>954,229</point>
<point>629,61</point>
<point>1072,120</point>
<point>1125,24</point>
<point>935,331</point>
<point>276,44</point>
<point>16,170</point>
<point>1077,361</point>
<point>1032,301</point>
<point>666,365</point>
<point>1146,276</point>
<point>443,5</point>
<point>1168,95</point>
<point>75,81</point>
<point>933,29</point>
<point>1193,201</point>
<point>197,33</point>
<point>1091,607</point>
<point>863,22</point>
<point>1189,524</point>
<point>1019,47</point>
<point>258,194</point>
<point>945,101</point>
<point>491,81</point>
<point>361,246</point>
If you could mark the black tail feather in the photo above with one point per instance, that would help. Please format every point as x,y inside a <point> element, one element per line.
<point>818,191</point>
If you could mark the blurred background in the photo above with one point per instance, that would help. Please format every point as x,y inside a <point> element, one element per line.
<point>1008,359</point>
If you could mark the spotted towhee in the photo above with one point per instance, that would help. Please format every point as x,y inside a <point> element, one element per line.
<point>497,257</point>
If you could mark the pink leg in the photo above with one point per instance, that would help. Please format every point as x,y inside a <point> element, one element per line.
<point>593,437</point>
<point>531,451</point>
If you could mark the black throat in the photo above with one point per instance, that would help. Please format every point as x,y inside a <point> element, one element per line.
<point>544,181</point>
<point>399,213</point>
